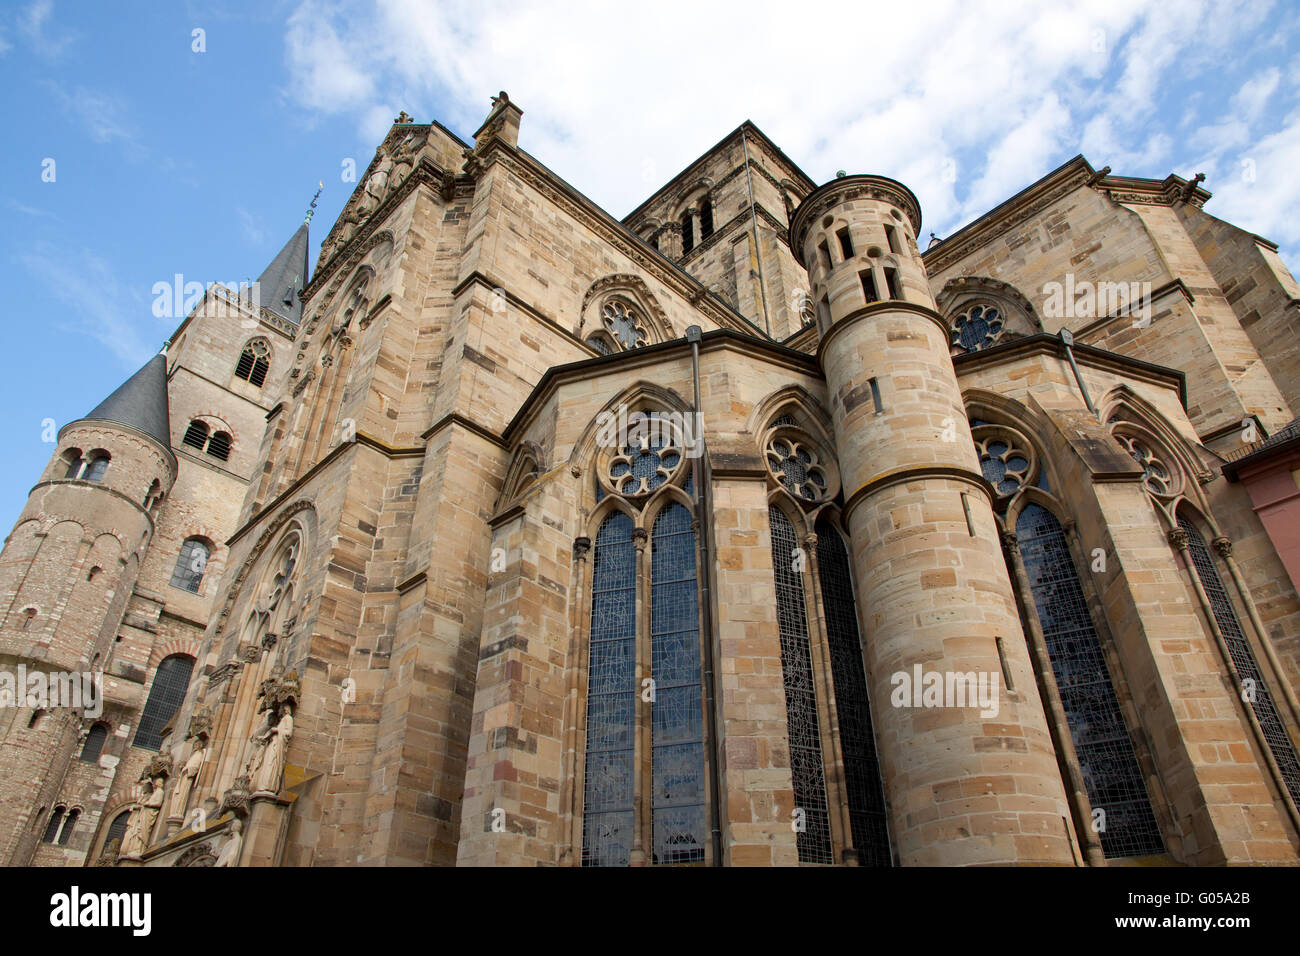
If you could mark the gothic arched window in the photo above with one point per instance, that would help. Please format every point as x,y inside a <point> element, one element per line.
<point>94,744</point>
<point>117,829</point>
<point>190,565</point>
<point>165,697</point>
<point>679,813</point>
<point>624,324</point>
<point>977,327</point>
<point>607,821</point>
<point>814,838</point>
<point>254,362</point>
<point>1243,658</point>
<point>1110,768</point>
<point>680,816</point>
<point>867,819</point>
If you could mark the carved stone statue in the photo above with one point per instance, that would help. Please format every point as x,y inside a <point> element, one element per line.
<point>274,754</point>
<point>139,825</point>
<point>260,738</point>
<point>185,782</point>
<point>229,855</point>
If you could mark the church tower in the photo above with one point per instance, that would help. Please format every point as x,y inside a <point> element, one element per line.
<point>65,575</point>
<point>932,585</point>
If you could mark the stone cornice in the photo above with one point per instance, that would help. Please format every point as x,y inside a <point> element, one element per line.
<point>912,473</point>
<point>557,375</point>
<point>455,418</point>
<point>1177,286</point>
<point>1149,192</point>
<point>1023,205</point>
<point>1085,355</point>
<point>848,188</point>
<point>888,306</point>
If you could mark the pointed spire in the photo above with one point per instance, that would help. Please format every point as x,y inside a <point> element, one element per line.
<point>285,277</point>
<point>140,402</point>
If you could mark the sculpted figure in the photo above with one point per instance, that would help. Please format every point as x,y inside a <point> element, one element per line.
<point>229,855</point>
<point>274,754</point>
<point>132,842</point>
<point>139,826</point>
<point>185,783</point>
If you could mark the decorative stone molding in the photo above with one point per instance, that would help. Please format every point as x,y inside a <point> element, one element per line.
<point>200,855</point>
<point>848,189</point>
<point>200,727</point>
<point>1222,546</point>
<point>1179,538</point>
<point>580,548</point>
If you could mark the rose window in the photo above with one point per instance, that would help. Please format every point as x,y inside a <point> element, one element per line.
<point>1155,474</point>
<point>623,324</point>
<point>977,328</point>
<point>1004,465</point>
<point>796,466</point>
<point>644,464</point>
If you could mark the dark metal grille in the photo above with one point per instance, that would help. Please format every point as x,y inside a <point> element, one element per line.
<point>94,744</point>
<point>219,445</point>
<point>1111,773</point>
<point>814,841</point>
<point>253,364</point>
<point>680,819</point>
<point>611,698</point>
<point>165,697</point>
<point>857,740</point>
<point>1243,658</point>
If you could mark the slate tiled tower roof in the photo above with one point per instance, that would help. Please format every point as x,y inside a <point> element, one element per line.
<point>141,402</point>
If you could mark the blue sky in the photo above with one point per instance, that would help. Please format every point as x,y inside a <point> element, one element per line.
<point>168,160</point>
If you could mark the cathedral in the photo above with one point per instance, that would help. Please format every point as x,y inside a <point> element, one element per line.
<point>757,528</point>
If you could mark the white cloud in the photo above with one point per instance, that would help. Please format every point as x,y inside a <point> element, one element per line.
<point>33,22</point>
<point>97,305</point>
<point>1258,190</point>
<point>619,98</point>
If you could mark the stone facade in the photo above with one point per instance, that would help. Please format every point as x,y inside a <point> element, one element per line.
<point>449,616</point>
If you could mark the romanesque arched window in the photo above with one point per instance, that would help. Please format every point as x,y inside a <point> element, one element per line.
<point>867,818</point>
<point>1101,740</point>
<point>97,466</point>
<point>196,434</point>
<point>191,563</point>
<point>94,744</point>
<point>665,711</point>
<point>52,828</point>
<point>254,362</point>
<point>814,835</point>
<point>69,824</point>
<point>1243,657</point>
<point>165,697</point>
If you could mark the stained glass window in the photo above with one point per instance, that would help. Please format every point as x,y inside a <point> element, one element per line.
<point>977,328</point>
<point>857,740</point>
<point>611,697</point>
<point>165,697</point>
<point>1111,773</point>
<point>814,839</point>
<point>1243,658</point>
<point>680,817</point>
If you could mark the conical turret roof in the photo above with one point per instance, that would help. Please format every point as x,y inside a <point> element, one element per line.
<point>279,285</point>
<point>141,402</point>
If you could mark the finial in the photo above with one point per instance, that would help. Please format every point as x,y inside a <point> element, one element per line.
<point>840,174</point>
<point>404,117</point>
<point>311,210</point>
<point>933,240</point>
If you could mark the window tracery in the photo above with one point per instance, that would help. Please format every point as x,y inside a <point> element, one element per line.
<point>978,327</point>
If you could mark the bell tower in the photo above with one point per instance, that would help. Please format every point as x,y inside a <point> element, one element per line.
<point>965,786</point>
<point>66,572</point>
